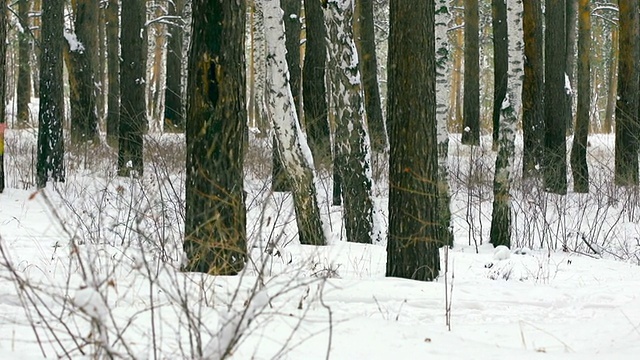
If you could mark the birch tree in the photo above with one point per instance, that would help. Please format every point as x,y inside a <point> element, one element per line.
<point>500,233</point>
<point>353,155</point>
<point>295,153</point>
<point>50,157</point>
<point>414,236</point>
<point>215,221</point>
<point>443,84</point>
<point>257,77</point>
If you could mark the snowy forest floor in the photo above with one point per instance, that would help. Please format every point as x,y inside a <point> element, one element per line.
<point>89,269</point>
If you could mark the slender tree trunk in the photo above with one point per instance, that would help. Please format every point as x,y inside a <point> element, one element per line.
<point>101,70</point>
<point>113,65</point>
<point>257,104</point>
<point>533,90</point>
<point>351,136</point>
<point>294,150</point>
<point>3,87</point>
<point>627,143</point>
<point>414,236</point>
<point>215,234</point>
<point>23,90</point>
<point>570,65</point>
<point>555,169</point>
<point>612,83</point>
<point>133,66</point>
<point>314,93</point>
<point>500,233</point>
<point>50,157</point>
<point>500,61</point>
<point>579,148</point>
<point>443,84</point>
<point>364,31</point>
<point>82,46</point>
<point>471,111</point>
<point>173,99</point>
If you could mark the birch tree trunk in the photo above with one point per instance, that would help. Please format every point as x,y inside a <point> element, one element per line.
<point>351,136</point>
<point>294,150</point>
<point>443,84</point>
<point>500,233</point>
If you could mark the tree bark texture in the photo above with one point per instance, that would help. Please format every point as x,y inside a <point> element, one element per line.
<point>471,106</point>
<point>314,93</point>
<point>414,236</point>
<point>500,62</point>
<point>23,91</point>
<point>612,83</point>
<point>364,33</point>
<point>50,153</point>
<point>626,143</point>
<point>579,148</point>
<point>533,90</point>
<point>173,99</point>
<point>113,66</point>
<point>351,135</point>
<point>215,235</point>
<point>294,151</point>
<point>555,142</point>
<point>3,88</point>
<point>133,71</point>
<point>571,18</point>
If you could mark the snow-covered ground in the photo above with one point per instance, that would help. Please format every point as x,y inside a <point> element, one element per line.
<point>89,267</point>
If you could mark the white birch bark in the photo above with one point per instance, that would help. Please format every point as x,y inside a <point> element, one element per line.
<point>292,144</point>
<point>352,146</point>
<point>443,84</point>
<point>259,70</point>
<point>501,216</point>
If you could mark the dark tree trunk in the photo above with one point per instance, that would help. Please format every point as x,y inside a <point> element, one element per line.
<point>113,65</point>
<point>3,88</point>
<point>364,33</point>
<point>173,99</point>
<point>570,65</point>
<point>500,61</point>
<point>101,61</point>
<point>50,157</point>
<point>471,106</point>
<point>23,91</point>
<point>612,82</point>
<point>215,235</point>
<point>414,237</point>
<point>626,144</point>
<point>314,93</point>
<point>555,142</point>
<point>533,90</point>
<point>579,148</point>
<point>133,71</point>
<point>81,70</point>
<point>292,28</point>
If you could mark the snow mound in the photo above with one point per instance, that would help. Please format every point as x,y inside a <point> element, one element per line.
<point>501,253</point>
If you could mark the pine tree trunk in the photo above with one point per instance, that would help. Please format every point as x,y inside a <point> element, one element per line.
<point>3,89</point>
<point>414,239</point>
<point>294,150</point>
<point>23,91</point>
<point>364,34</point>
<point>500,233</point>
<point>314,93</point>
<point>215,235</point>
<point>133,71</point>
<point>471,107</point>
<point>500,61</point>
<point>533,90</point>
<point>555,142</point>
<point>50,154</point>
<point>173,99</point>
<point>443,76</point>
<point>579,148</point>
<point>351,136</point>
<point>81,72</point>
<point>113,65</point>
<point>627,143</point>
